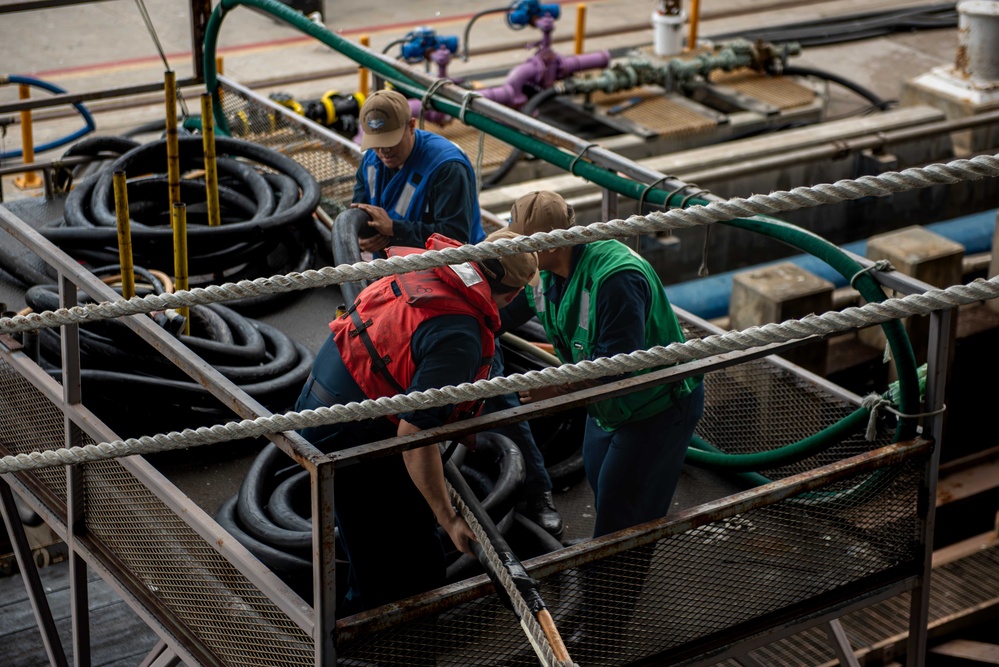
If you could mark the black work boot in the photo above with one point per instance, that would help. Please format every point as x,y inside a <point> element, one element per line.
<point>540,508</point>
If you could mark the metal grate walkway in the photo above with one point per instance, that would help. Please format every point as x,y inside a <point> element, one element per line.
<point>965,590</point>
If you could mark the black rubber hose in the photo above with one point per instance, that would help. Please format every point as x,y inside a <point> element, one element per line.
<point>866,93</point>
<point>347,227</point>
<point>276,559</point>
<point>500,452</point>
<point>252,501</point>
<point>287,497</point>
<point>245,343</point>
<point>467,566</point>
<point>150,158</point>
<point>91,146</point>
<point>840,29</point>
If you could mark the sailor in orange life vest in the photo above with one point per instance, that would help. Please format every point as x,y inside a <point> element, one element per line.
<point>406,333</point>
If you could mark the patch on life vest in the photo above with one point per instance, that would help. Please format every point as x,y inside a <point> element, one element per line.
<point>467,273</point>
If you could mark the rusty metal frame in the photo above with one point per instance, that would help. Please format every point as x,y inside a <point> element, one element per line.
<point>56,513</point>
<point>648,533</point>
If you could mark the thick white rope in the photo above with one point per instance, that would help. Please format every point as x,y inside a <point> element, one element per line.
<point>660,221</point>
<point>676,353</point>
<point>527,619</point>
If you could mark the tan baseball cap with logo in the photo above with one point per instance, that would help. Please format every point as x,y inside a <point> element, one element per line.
<point>384,118</point>
<point>540,211</point>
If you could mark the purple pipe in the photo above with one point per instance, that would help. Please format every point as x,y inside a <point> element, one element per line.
<point>540,72</point>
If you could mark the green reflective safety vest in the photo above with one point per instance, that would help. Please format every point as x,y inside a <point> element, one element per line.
<point>572,329</point>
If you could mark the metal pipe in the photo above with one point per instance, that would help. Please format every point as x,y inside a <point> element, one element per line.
<point>211,167</point>
<point>695,15</point>
<point>363,75</point>
<point>30,178</point>
<point>52,164</point>
<point>124,235</point>
<point>172,149</point>
<point>107,93</point>
<point>580,27</point>
<point>180,257</point>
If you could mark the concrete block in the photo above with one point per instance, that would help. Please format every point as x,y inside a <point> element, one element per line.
<point>782,292</point>
<point>921,254</point>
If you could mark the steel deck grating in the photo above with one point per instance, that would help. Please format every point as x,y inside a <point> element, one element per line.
<point>687,586</point>
<point>30,422</point>
<point>965,584</point>
<point>656,112</point>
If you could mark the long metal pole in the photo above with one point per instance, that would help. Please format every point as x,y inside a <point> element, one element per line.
<point>211,166</point>
<point>124,235</point>
<point>172,149</point>
<point>179,218</point>
<point>72,395</point>
<point>36,592</point>
<point>941,337</point>
<point>30,179</point>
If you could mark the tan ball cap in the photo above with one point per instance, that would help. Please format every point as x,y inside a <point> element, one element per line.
<point>384,118</point>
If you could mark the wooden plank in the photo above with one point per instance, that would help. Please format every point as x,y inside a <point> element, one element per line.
<point>978,653</point>
<point>123,639</point>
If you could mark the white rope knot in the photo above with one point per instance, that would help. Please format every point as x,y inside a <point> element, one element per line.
<point>880,265</point>
<point>873,403</point>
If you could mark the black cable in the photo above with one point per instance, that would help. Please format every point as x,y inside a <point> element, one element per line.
<point>498,174</point>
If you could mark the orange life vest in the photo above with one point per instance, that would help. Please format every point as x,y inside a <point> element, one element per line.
<point>373,336</point>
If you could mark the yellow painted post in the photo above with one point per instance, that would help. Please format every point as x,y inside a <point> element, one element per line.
<point>180,258</point>
<point>363,84</point>
<point>695,15</point>
<point>124,234</point>
<point>172,149</point>
<point>220,70</point>
<point>29,179</point>
<point>211,168</point>
<point>580,26</point>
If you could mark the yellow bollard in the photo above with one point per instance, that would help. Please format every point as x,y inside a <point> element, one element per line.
<point>580,26</point>
<point>124,235</point>
<point>172,149</point>
<point>211,167</point>
<point>363,85</point>
<point>695,13</point>
<point>30,179</point>
<point>180,258</point>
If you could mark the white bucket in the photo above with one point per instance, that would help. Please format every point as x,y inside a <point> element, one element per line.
<point>667,33</point>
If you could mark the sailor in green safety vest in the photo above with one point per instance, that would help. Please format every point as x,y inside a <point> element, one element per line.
<point>598,300</point>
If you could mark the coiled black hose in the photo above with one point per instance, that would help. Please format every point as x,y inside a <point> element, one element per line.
<point>117,367</point>
<point>271,514</point>
<point>267,201</point>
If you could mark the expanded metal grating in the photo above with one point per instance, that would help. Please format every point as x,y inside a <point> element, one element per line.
<point>657,112</point>
<point>658,598</point>
<point>778,91</point>
<point>970,583</point>
<point>331,163</point>
<point>30,422</point>
<point>494,151</point>
<point>700,583</point>
<point>240,624</point>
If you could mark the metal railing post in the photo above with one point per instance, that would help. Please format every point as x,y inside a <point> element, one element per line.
<point>323,565</point>
<point>938,353</point>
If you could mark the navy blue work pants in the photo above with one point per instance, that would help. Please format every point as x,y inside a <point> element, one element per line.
<point>635,469</point>
<point>386,527</point>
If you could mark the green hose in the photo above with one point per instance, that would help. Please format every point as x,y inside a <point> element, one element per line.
<point>774,228</point>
